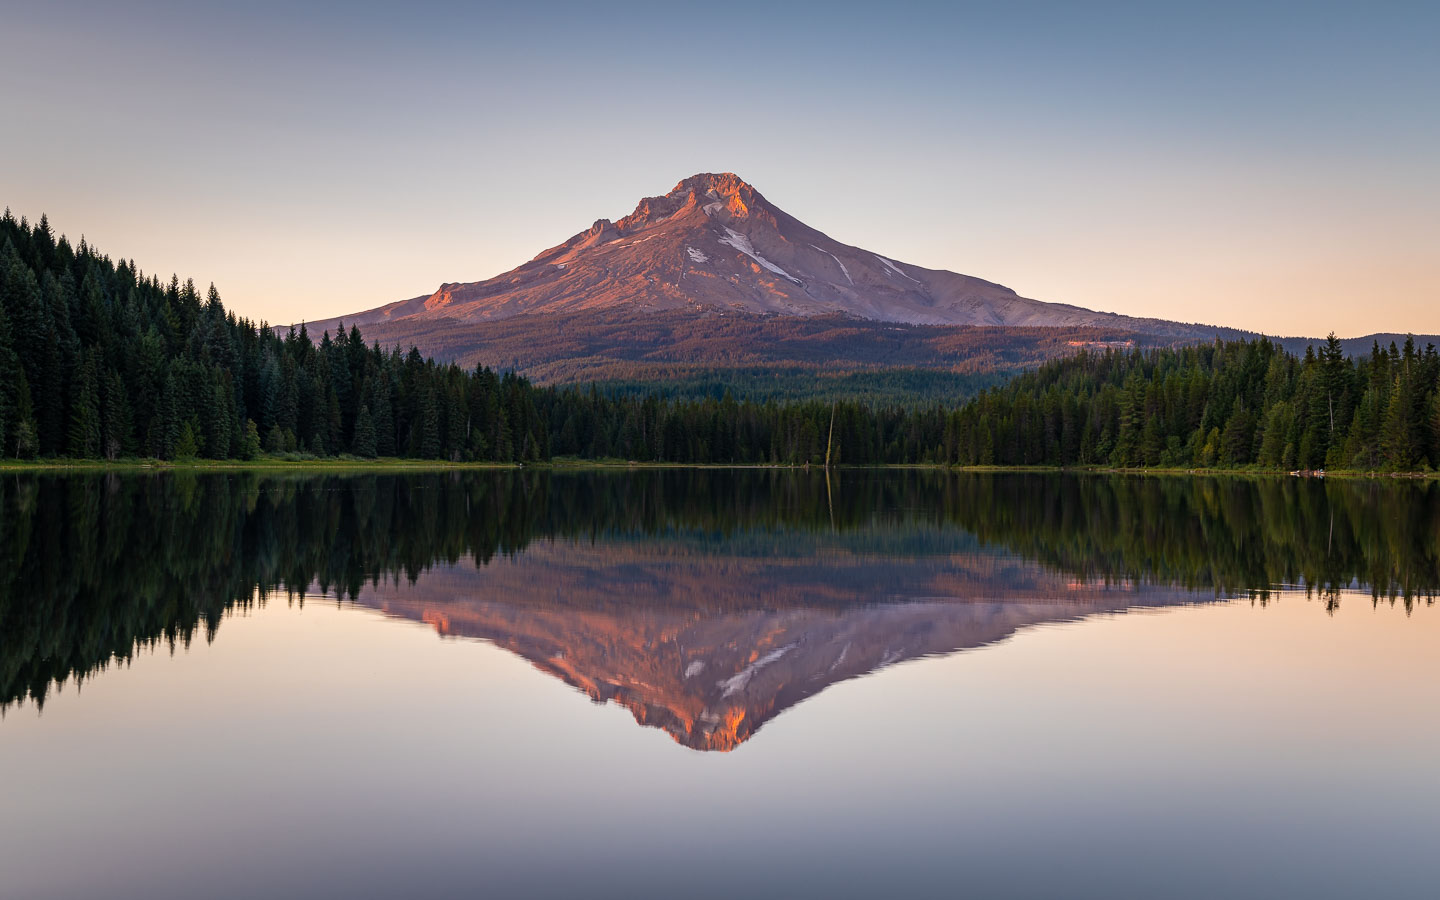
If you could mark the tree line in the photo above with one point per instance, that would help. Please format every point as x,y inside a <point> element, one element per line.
<point>100,360</point>
<point>1228,404</point>
<point>97,359</point>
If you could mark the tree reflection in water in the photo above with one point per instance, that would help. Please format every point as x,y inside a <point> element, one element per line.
<point>706,601</point>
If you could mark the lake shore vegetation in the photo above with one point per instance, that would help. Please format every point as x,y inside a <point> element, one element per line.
<point>100,361</point>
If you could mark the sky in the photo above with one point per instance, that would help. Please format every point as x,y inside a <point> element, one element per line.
<point>1271,166</point>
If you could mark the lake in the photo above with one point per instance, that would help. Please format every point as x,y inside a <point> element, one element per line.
<point>711,683</point>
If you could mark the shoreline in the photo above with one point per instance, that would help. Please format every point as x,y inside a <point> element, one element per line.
<point>419,465</point>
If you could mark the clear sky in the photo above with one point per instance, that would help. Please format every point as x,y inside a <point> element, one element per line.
<point>1267,166</point>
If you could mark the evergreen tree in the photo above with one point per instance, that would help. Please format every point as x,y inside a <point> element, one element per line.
<point>1400,434</point>
<point>188,445</point>
<point>1435,430</point>
<point>118,428</point>
<point>430,427</point>
<point>364,434</point>
<point>164,430</point>
<point>9,383</point>
<point>334,426</point>
<point>85,433</point>
<point>250,443</point>
<point>384,419</point>
<point>25,442</point>
<point>1277,434</point>
<point>1235,441</point>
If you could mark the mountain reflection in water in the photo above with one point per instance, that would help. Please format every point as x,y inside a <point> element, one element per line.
<point>710,647</point>
<point>706,602</point>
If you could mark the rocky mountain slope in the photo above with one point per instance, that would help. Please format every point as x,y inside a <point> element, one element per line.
<point>714,243</point>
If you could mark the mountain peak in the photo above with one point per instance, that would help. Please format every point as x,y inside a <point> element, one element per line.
<point>723,184</point>
<point>707,192</point>
<point>736,196</point>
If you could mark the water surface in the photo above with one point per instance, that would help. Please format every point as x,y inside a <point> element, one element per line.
<point>711,683</point>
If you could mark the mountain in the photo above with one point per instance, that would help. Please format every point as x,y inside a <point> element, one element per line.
<point>712,287</point>
<point>715,243</point>
<point>715,268</point>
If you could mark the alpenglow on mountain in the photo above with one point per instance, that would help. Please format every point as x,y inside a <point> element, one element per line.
<point>715,243</point>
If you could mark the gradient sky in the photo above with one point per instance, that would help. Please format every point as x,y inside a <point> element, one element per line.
<point>1267,166</point>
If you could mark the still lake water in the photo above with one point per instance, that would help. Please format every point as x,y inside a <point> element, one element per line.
<point>718,684</point>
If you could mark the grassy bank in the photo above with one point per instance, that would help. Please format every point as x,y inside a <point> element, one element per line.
<point>219,465</point>
<point>355,464</point>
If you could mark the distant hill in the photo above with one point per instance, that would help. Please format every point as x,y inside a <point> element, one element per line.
<point>1360,346</point>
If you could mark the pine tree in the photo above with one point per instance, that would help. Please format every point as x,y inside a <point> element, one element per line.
<point>216,420</point>
<point>85,433</point>
<point>9,382</point>
<point>21,298</point>
<point>25,442</point>
<point>430,427</point>
<point>457,426</point>
<point>1435,429</point>
<point>118,428</point>
<point>250,443</point>
<point>49,391</point>
<point>364,433</point>
<point>1235,441</point>
<point>1401,443</point>
<point>188,445</point>
<point>504,439</point>
<point>164,430</point>
<point>384,420</point>
<point>1335,373</point>
<point>1277,433</point>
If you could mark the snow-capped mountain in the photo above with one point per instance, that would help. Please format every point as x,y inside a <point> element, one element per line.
<point>715,243</point>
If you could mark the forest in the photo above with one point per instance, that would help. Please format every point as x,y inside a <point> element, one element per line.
<point>1228,404</point>
<point>99,360</point>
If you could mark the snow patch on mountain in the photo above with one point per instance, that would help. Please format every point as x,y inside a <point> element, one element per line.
<point>696,255</point>
<point>892,267</point>
<point>837,261</point>
<point>742,243</point>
